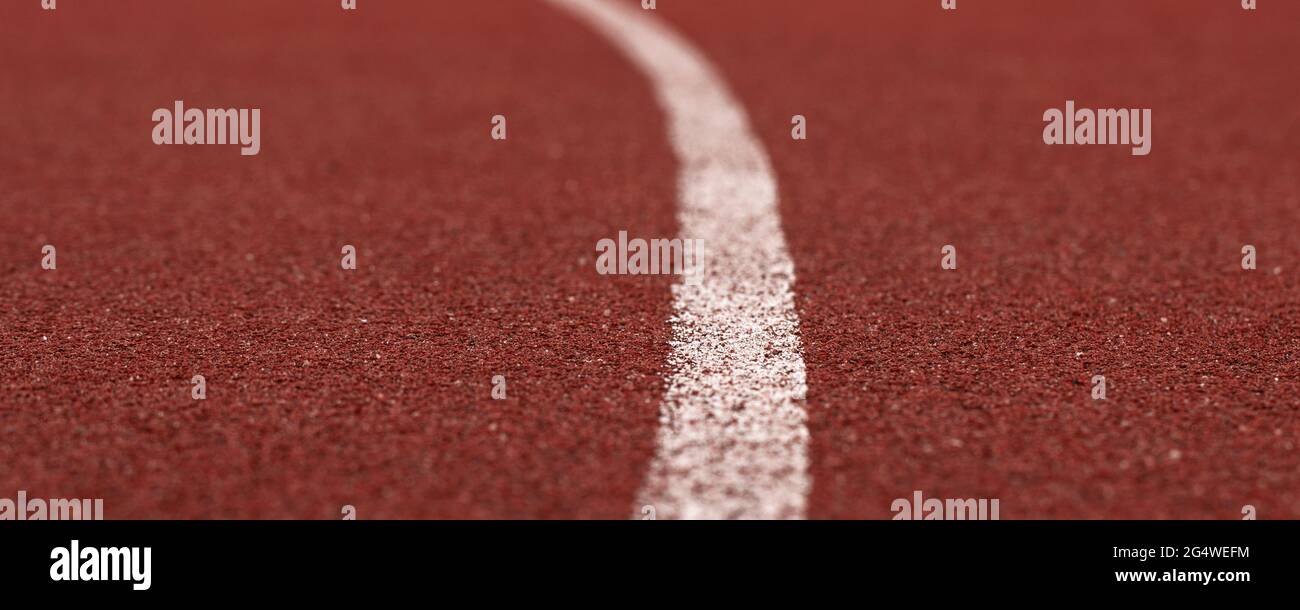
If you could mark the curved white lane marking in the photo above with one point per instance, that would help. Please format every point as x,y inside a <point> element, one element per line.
<point>733,442</point>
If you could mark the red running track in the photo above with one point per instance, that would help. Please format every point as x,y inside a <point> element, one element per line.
<point>371,387</point>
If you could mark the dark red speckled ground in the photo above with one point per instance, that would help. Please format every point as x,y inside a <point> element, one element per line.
<point>371,387</point>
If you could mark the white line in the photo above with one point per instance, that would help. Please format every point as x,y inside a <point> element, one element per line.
<point>732,442</point>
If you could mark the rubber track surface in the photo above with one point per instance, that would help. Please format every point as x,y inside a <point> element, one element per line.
<point>925,130</point>
<point>371,387</point>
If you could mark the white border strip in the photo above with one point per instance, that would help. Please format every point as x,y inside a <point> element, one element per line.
<point>733,439</point>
